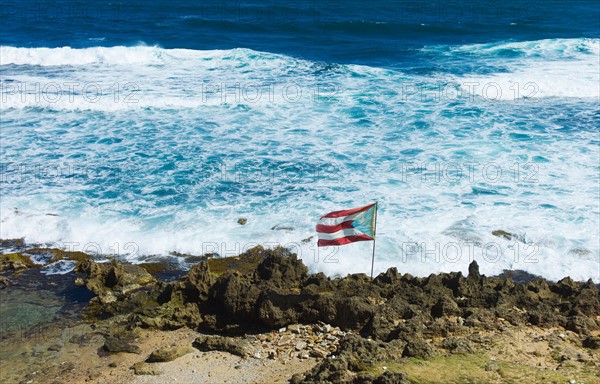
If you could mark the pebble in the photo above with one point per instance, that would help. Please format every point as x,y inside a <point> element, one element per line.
<point>300,345</point>
<point>297,341</point>
<point>317,352</point>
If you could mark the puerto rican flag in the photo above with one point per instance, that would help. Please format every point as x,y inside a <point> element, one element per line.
<point>347,226</point>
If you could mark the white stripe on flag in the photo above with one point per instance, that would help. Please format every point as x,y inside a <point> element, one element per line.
<point>339,220</point>
<point>341,233</point>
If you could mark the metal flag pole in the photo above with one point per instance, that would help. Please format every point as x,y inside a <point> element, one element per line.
<point>374,237</point>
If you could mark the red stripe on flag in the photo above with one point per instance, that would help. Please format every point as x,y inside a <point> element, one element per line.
<point>343,240</point>
<point>347,211</point>
<point>321,228</point>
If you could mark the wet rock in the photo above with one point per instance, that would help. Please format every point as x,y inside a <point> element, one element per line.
<point>4,282</point>
<point>12,243</point>
<point>503,234</point>
<point>15,262</point>
<point>113,280</point>
<point>143,368</point>
<point>116,345</point>
<point>579,251</point>
<point>168,354</point>
<point>220,343</point>
<point>242,221</point>
<point>282,227</point>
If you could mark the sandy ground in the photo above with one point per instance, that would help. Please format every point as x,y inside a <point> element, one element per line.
<point>522,354</point>
<point>198,367</point>
<point>80,359</point>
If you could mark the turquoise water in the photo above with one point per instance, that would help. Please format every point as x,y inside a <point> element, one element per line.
<point>152,127</point>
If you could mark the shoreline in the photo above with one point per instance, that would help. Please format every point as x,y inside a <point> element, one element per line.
<point>307,327</point>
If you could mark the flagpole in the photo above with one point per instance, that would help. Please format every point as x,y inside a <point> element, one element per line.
<point>374,237</point>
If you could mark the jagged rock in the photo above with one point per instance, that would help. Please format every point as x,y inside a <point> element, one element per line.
<point>458,345</point>
<point>416,348</point>
<point>15,262</point>
<point>168,354</point>
<point>580,324</point>
<point>445,306</point>
<point>592,342</point>
<point>12,243</point>
<point>113,280</point>
<point>198,281</point>
<point>389,277</point>
<point>284,271</point>
<point>503,234</point>
<point>565,287</point>
<point>220,343</point>
<point>354,355</point>
<point>269,289</point>
<point>474,271</point>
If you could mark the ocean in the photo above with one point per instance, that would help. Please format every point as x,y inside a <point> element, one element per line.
<point>144,129</point>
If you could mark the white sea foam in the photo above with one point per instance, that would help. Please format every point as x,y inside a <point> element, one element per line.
<point>535,69</point>
<point>174,171</point>
<point>59,267</point>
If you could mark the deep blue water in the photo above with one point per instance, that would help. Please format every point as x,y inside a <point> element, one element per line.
<point>382,33</point>
<point>141,128</point>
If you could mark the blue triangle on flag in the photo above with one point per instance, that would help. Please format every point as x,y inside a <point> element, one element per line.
<point>365,222</point>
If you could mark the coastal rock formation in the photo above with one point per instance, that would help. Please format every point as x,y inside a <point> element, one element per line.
<point>220,343</point>
<point>14,262</point>
<point>357,323</point>
<point>168,354</point>
<point>278,291</point>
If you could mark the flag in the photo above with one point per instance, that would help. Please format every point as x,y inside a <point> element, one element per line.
<point>347,226</point>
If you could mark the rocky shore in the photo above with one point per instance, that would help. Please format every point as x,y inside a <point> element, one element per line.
<point>261,317</point>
